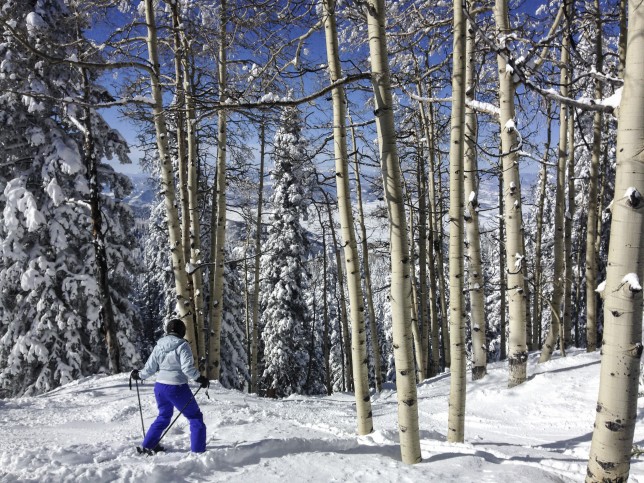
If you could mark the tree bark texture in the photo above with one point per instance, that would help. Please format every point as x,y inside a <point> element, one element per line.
<point>373,326</point>
<point>591,233</point>
<point>167,178</point>
<point>400,282</point>
<point>610,451</point>
<point>558,283</point>
<point>359,356</point>
<point>517,349</point>
<point>471,188</point>
<point>219,251</point>
<point>458,364</point>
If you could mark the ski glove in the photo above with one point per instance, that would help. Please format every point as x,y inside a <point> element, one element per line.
<point>203,381</point>
<point>135,375</point>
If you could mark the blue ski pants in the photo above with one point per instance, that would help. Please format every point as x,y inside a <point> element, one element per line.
<point>168,397</point>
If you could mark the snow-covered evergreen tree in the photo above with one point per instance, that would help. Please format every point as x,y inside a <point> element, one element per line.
<point>284,275</point>
<point>51,330</point>
<point>234,365</point>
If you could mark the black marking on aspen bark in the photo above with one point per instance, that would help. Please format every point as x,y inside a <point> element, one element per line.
<point>635,199</point>
<point>599,408</point>
<point>638,350</point>
<point>366,398</point>
<point>403,429</point>
<point>614,426</point>
<point>616,313</point>
<point>370,415</point>
<point>409,402</point>
<point>606,465</point>
<point>404,372</point>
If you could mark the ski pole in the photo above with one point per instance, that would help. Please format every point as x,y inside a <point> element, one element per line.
<point>140,409</point>
<point>177,417</point>
<point>139,398</point>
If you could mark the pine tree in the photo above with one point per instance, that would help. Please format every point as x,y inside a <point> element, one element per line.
<point>284,276</point>
<point>234,366</point>
<point>51,327</point>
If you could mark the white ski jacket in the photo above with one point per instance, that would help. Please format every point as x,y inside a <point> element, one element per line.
<point>172,359</point>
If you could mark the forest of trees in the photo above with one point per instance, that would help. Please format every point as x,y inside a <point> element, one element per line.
<point>347,194</point>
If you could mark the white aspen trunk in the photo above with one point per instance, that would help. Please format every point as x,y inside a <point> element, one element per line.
<point>167,178</point>
<point>591,233</point>
<point>470,186</point>
<point>415,329</point>
<point>537,307</point>
<point>517,349</point>
<point>623,34</point>
<point>219,253</point>
<point>373,326</point>
<point>182,167</point>
<point>558,284</point>
<point>610,451</point>
<point>458,365</point>
<point>570,213</point>
<point>254,347</point>
<point>503,279</point>
<point>437,234</point>
<point>347,372</point>
<point>400,283</point>
<point>347,225</point>
<point>428,193</point>
<point>440,269</point>
<point>192,193</point>
<point>326,347</point>
<point>422,266</point>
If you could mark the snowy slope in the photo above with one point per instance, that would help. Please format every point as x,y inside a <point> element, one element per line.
<point>538,432</point>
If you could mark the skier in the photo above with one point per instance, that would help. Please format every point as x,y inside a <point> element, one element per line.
<point>173,360</point>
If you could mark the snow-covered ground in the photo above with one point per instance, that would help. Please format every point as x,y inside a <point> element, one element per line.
<point>88,430</point>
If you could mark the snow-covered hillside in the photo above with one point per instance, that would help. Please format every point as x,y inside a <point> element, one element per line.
<point>87,432</point>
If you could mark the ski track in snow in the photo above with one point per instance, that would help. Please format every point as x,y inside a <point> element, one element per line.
<point>87,431</point>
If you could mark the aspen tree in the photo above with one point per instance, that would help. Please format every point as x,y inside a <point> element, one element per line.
<point>347,367</point>
<point>400,281</point>
<point>470,187</point>
<point>218,251</point>
<point>351,257</point>
<point>254,346</point>
<point>373,326</point>
<point>610,451</point>
<point>415,316</point>
<point>426,204</point>
<point>187,156</point>
<point>517,350</point>
<point>182,162</point>
<point>193,201</point>
<point>503,278</point>
<point>537,306</point>
<point>570,213</point>
<point>456,415</point>
<point>593,175</point>
<point>326,344</point>
<point>558,285</point>
<point>167,178</point>
<point>422,265</point>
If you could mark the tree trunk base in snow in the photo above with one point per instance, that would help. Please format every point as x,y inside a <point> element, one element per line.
<point>478,373</point>
<point>518,369</point>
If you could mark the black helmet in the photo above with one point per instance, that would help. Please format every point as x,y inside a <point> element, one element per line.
<point>176,327</point>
